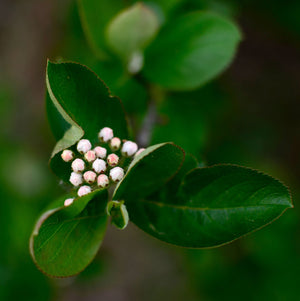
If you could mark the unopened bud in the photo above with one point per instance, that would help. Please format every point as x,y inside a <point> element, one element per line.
<point>83,190</point>
<point>139,151</point>
<point>84,146</point>
<point>90,156</point>
<point>99,165</point>
<point>129,148</point>
<point>102,181</point>
<point>68,202</point>
<point>76,179</point>
<point>112,160</point>
<point>116,174</point>
<point>78,165</point>
<point>89,177</point>
<point>100,152</point>
<point>67,155</point>
<point>115,143</point>
<point>106,134</point>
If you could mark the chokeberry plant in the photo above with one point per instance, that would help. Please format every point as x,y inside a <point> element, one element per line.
<point>162,189</point>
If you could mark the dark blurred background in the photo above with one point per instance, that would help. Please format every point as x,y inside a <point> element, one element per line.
<point>249,116</point>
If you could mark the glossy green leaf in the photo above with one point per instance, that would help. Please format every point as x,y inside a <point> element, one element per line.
<point>149,171</point>
<point>66,239</point>
<point>79,103</point>
<point>214,206</point>
<point>118,213</point>
<point>191,50</point>
<point>131,30</point>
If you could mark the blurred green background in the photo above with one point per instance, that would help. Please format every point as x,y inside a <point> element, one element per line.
<point>249,116</point>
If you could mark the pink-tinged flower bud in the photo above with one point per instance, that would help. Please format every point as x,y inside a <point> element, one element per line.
<point>100,152</point>
<point>129,148</point>
<point>78,165</point>
<point>84,146</point>
<point>68,202</point>
<point>112,160</point>
<point>115,143</point>
<point>99,165</point>
<point>76,179</point>
<point>106,134</point>
<point>90,156</point>
<point>67,155</point>
<point>102,181</point>
<point>116,174</point>
<point>89,177</point>
<point>83,190</point>
<point>139,151</point>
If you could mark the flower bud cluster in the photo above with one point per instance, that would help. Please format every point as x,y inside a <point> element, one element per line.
<point>93,168</point>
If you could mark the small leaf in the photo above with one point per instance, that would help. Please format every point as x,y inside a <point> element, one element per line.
<point>79,103</point>
<point>119,215</point>
<point>191,50</point>
<point>66,239</point>
<point>149,171</point>
<point>132,30</point>
<point>214,206</point>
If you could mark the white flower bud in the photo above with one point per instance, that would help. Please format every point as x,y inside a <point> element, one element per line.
<point>106,134</point>
<point>129,148</point>
<point>89,177</point>
<point>68,202</point>
<point>100,152</point>
<point>139,151</point>
<point>102,181</point>
<point>78,165</point>
<point>83,190</point>
<point>99,165</point>
<point>112,160</point>
<point>115,143</point>
<point>84,146</point>
<point>116,174</point>
<point>76,178</point>
<point>67,155</point>
<point>90,156</point>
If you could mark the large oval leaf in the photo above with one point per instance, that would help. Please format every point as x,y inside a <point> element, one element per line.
<point>149,171</point>
<point>191,50</point>
<point>79,103</point>
<point>214,206</point>
<point>66,239</point>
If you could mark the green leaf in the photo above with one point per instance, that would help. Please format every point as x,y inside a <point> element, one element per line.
<point>149,171</point>
<point>66,239</point>
<point>79,103</point>
<point>119,215</point>
<point>215,205</point>
<point>191,50</point>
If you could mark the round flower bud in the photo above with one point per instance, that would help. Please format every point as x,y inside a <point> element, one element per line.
<point>100,152</point>
<point>78,165</point>
<point>106,134</point>
<point>116,174</point>
<point>90,156</point>
<point>68,202</point>
<point>84,146</point>
<point>112,160</point>
<point>99,165</point>
<point>76,178</point>
<point>139,151</point>
<point>89,177</point>
<point>67,155</point>
<point>115,143</point>
<point>102,181</point>
<point>83,190</point>
<point>129,148</point>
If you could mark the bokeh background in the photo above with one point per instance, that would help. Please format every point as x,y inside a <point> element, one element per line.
<point>250,115</point>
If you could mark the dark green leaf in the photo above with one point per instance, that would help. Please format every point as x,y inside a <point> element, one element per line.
<point>149,171</point>
<point>191,50</point>
<point>66,239</point>
<point>214,206</point>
